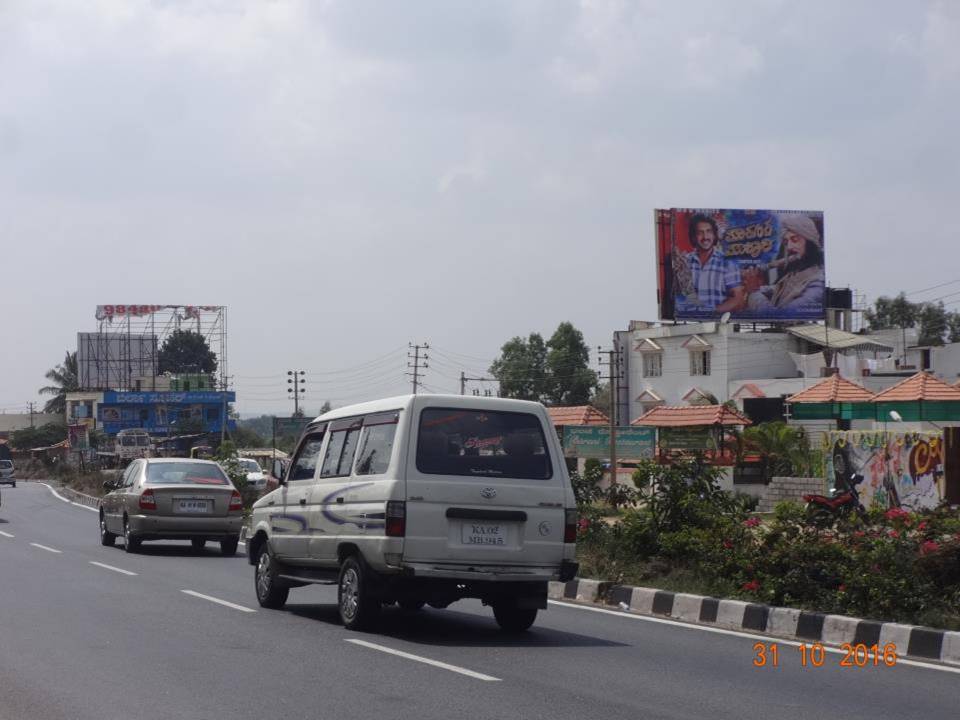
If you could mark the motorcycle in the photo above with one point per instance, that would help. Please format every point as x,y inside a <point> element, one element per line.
<point>826,509</point>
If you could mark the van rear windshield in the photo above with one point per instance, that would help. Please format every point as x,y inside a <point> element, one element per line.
<point>483,444</point>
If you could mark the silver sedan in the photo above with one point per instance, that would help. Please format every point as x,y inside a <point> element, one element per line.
<point>172,499</point>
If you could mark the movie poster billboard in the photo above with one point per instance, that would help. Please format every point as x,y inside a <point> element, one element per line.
<point>757,265</point>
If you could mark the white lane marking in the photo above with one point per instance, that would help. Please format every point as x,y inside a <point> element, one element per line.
<point>218,601</point>
<point>426,661</point>
<point>61,497</point>
<point>48,549</point>
<point>111,567</point>
<point>6,534</point>
<point>751,636</point>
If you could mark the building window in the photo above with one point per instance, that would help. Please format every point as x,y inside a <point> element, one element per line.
<point>700,362</point>
<point>652,364</point>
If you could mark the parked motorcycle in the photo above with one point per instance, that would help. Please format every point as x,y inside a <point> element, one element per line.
<point>826,509</point>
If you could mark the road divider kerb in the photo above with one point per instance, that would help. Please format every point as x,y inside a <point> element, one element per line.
<point>737,615</point>
<point>6,534</point>
<point>92,503</point>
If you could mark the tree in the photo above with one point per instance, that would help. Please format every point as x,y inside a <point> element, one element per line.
<point>601,398</point>
<point>570,379</point>
<point>246,438</point>
<point>185,351</point>
<point>889,313</point>
<point>933,324</point>
<point>521,368</point>
<point>64,379</point>
<point>34,437</point>
<point>785,450</point>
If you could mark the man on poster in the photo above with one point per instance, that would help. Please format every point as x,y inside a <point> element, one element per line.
<point>705,278</point>
<point>801,284</point>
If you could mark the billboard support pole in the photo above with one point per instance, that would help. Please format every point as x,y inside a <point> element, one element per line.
<point>613,411</point>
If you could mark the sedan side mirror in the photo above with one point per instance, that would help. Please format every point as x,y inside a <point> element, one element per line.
<point>109,484</point>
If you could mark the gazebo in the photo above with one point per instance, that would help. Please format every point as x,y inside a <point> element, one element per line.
<point>692,427</point>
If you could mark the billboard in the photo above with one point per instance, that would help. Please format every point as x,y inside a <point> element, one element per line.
<point>593,441</point>
<point>758,265</point>
<point>114,360</point>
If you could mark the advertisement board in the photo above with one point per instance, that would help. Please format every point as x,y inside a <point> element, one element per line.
<point>687,438</point>
<point>757,265</point>
<point>593,441</point>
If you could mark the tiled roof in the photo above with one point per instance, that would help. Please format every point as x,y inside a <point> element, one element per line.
<point>922,386</point>
<point>749,390</point>
<point>832,389</point>
<point>691,416</point>
<point>577,415</point>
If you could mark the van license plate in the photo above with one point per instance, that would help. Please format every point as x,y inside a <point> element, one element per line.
<point>483,534</point>
<point>193,506</point>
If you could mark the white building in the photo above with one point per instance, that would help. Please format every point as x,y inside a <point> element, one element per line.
<point>713,362</point>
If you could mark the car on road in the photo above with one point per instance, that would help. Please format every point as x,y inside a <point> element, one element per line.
<point>256,478</point>
<point>172,499</point>
<point>420,499</point>
<point>7,473</point>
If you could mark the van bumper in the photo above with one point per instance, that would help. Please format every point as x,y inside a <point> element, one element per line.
<point>485,572</point>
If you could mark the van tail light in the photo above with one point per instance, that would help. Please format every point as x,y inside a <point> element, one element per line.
<point>396,517</point>
<point>147,500</point>
<point>570,525</point>
<point>236,502</point>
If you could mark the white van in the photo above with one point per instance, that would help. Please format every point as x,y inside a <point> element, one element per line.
<point>421,499</point>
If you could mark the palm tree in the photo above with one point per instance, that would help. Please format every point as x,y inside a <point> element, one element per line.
<point>64,377</point>
<point>785,449</point>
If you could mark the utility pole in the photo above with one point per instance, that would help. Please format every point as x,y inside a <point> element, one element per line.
<point>416,365</point>
<point>294,380</point>
<point>464,380</point>
<point>223,418</point>
<point>30,407</point>
<point>613,361</point>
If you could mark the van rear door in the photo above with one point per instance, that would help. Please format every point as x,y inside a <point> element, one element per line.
<point>484,487</point>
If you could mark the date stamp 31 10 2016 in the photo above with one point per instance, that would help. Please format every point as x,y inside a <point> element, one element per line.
<point>815,655</point>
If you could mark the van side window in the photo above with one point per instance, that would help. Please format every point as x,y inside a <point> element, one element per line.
<point>376,444</point>
<point>305,463</point>
<point>343,443</point>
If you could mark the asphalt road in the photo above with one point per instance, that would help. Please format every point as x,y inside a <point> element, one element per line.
<point>145,637</point>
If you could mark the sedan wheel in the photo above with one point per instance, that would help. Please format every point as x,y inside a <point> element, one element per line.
<point>106,537</point>
<point>269,595</point>
<point>198,544</point>
<point>131,543</point>
<point>228,547</point>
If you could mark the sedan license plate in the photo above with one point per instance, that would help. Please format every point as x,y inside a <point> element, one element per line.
<point>193,506</point>
<point>479,533</point>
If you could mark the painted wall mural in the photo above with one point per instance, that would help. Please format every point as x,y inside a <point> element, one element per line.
<point>889,469</point>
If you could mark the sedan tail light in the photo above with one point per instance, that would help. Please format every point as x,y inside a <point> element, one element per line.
<point>570,525</point>
<point>147,500</point>
<point>236,502</point>
<point>396,518</point>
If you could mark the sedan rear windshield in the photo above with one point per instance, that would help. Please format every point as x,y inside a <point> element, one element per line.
<point>186,474</point>
<point>481,443</point>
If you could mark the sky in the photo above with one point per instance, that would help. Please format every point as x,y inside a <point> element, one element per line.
<point>351,177</point>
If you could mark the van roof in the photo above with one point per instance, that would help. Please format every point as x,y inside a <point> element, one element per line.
<point>404,402</point>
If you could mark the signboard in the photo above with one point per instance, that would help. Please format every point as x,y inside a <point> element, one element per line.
<point>593,441</point>
<point>110,312</point>
<point>290,426</point>
<point>758,265</point>
<point>112,397</point>
<point>79,436</point>
<point>687,438</point>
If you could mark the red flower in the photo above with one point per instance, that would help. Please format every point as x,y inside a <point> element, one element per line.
<point>727,544</point>
<point>896,514</point>
<point>583,524</point>
<point>859,533</point>
<point>842,588</point>
<point>922,526</point>
<point>751,522</point>
<point>752,586</point>
<point>894,533</point>
<point>929,547</point>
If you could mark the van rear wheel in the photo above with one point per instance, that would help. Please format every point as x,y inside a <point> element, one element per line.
<point>512,619</point>
<point>358,605</point>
